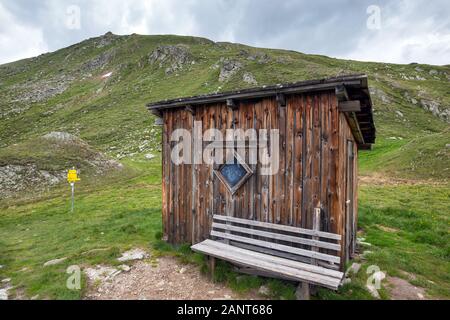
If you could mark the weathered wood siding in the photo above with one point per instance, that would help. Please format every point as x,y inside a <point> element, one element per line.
<point>313,140</point>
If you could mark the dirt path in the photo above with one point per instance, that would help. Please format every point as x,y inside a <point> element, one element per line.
<point>381,180</point>
<point>400,289</point>
<point>166,280</point>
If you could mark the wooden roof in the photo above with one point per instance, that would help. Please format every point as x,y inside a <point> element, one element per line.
<point>349,88</point>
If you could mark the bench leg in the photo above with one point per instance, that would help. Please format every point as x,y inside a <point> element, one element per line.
<point>212,266</point>
<point>313,289</point>
<point>302,292</point>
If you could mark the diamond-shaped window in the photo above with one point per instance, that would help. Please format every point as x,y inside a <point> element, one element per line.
<point>235,174</point>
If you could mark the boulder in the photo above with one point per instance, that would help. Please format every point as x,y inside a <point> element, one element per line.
<point>264,291</point>
<point>54,262</point>
<point>4,293</point>
<point>135,254</point>
<point>346,281</point>
<point>229,68</point>
<point>249,78</point>
<point>174,58</point>
<point>125,268</point>
<point>101,273</point>
<point>354,269</point>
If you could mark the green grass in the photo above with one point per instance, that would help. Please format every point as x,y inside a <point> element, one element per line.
<point>48,154</point>
<point>115,217</point>
<point>421,244</point>
<point>126,213</point>
<point>123,210</point>
<point>423,158</point>
<point>408,227</point>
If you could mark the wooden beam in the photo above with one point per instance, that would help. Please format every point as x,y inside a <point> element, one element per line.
<point>212,266</point>
<point>284,255</point>
<point>190,109</point>
<point>341,93</point>
<point>251,94</point>
<point>281,99</point>
<point>231,103</point>
<point>354,126</point>
<point>279,236</point>
<point>350,106</point>
<point>274,259</point>
<point>250,261</point>
<point>316,227</point>
<point>365,147</point>
<point>279,247</point>
<point>302,292</point>
<point>157,113</point>
<point>260,273</point>
<point>280,227</point>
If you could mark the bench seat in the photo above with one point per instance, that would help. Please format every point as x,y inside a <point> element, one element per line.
<point>304,255</point>
<point>294,270</point>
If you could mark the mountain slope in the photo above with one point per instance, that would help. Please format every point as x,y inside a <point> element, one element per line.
<point>98,89</point>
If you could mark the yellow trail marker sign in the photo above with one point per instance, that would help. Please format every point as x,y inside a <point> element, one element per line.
<point>72,176</point>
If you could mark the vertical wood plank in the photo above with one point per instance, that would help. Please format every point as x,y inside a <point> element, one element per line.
<point>258,116</point>
<point>299,159</point>
<point>316,155</point>
<point>165,177</point>
<point>281,216</point>
<point>325,154</point>
<point>334,167</point>
<point>273,191</point>
<point>307,169</point>
<point>290,159</point>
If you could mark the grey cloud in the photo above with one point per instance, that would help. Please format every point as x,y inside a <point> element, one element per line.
<point>333,28</point>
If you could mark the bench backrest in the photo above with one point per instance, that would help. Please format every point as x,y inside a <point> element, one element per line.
<point>311,246</point>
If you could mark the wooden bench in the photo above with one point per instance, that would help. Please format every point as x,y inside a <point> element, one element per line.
<point>273,250</point>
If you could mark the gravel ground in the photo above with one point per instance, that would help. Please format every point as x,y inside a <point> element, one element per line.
<point>167,280</point>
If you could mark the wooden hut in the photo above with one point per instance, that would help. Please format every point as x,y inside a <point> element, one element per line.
<point>322,124</point>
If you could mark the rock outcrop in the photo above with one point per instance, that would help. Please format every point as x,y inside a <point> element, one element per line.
<point>249,78</point>
<point>18,178</point>
<point>99,62</point>
<point>229,68</point>
<point>174,58</point>
<point>33,172</point>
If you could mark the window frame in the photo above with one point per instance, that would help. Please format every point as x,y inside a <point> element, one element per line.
<point>244,179</point>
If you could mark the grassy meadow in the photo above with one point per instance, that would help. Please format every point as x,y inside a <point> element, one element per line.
<point>406,224</point>
<point>404,194</point>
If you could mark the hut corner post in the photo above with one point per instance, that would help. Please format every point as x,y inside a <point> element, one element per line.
<point>304,289</point>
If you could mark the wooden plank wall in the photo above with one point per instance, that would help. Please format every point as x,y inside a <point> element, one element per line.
<point>313,137</point>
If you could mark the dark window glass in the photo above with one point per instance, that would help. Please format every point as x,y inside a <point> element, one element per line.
<point>233,173</point>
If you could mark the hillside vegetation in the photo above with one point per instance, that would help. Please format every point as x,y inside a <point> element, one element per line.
<point>98,89</point>
<point>84,106</point>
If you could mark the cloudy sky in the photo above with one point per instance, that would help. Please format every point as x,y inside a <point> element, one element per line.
<point>398,31</point>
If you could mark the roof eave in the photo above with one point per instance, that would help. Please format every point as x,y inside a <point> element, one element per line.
<point>261,92</point>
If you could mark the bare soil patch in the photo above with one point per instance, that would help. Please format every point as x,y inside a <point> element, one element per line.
<point>380,180</point>
<point>401,289</point>
<point>387,229</point>
<point>168,279</point>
